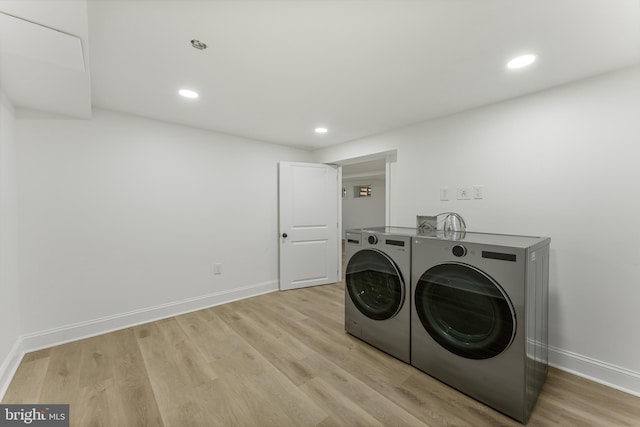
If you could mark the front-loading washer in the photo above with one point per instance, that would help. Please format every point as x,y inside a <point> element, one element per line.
<point>377,288</point>
<point>479,315</point>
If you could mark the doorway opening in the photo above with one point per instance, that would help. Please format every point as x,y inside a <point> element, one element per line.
<point>357,210</point>
<point>363,195</point>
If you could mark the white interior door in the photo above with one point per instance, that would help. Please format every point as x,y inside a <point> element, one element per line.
<point>308,224</point>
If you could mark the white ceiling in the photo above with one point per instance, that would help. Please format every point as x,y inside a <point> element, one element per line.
<point>274,70</point>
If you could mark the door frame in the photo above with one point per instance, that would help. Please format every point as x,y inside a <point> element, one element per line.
<point>390,156</point>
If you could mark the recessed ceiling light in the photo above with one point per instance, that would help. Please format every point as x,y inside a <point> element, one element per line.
<point>521,61</point>
<point>188,93</point>
<point>321,130</point>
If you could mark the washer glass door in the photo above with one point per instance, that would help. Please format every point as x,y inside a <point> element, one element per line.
<point>465,311</point>
<point>374,284</point>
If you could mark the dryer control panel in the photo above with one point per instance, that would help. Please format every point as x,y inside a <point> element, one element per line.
<point>459,251</point>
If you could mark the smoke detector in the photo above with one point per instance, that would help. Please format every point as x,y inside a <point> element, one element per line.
<point>198,44</point>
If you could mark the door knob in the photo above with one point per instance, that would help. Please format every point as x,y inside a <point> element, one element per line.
<point>284,235</point>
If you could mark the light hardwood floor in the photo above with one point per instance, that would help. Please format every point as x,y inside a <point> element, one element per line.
<point>281,359</point>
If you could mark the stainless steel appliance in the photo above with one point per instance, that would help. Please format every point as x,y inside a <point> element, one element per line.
<point>377,281</point>
<point>479,315</point>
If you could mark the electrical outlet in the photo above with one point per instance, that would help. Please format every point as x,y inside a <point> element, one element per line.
<point>478,191</point>
<point>217,268</point>
<point>444,194</point>
<point>464,193</point>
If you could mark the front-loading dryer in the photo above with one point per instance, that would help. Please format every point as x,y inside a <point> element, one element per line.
<point>479,315</point>
<point>377,281</point>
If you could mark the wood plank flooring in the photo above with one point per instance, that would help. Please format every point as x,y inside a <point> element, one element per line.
<point>281,359</point>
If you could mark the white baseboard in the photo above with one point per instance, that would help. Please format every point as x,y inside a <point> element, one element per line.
<point>10,365</point>
<point>595,370</point>
<point>64,334</point>
<point>56,336</point>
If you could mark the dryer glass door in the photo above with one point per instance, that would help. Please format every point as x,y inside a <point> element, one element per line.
<point>374,284</point>
<point>465,311</point>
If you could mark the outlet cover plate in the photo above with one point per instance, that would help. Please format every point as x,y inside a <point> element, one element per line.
<point>464,193</point>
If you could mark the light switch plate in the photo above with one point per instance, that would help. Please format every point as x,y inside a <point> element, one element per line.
<point>478,191</point>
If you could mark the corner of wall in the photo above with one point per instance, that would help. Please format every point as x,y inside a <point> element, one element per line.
<point>10,365</point>
<point>10,355</point>
<point>44,339</point>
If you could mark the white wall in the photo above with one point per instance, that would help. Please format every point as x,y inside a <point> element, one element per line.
<point>9,292</point>
<point>562,163</point>
<point>358,212</point>
<point>121,214</point>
